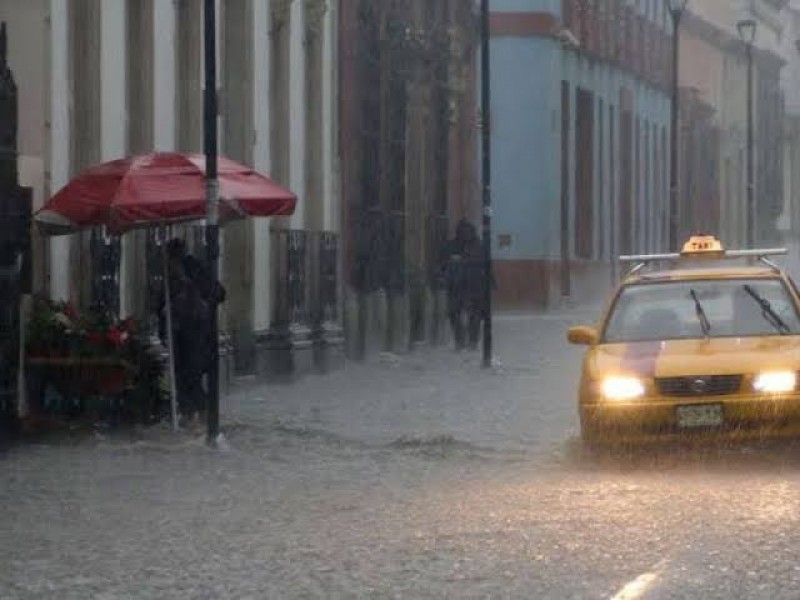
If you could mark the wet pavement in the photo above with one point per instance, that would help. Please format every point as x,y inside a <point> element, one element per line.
<point>411,477</point>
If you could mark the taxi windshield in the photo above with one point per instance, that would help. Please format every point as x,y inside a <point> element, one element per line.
<point>674,310</point>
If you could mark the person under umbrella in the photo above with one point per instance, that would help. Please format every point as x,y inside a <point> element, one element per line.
<point>194,293</point>
<point>159,190</point>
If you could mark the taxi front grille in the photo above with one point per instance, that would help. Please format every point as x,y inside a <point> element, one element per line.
<point>715,385</point>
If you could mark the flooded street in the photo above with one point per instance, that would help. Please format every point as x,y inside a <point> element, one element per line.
<point>413,477</point>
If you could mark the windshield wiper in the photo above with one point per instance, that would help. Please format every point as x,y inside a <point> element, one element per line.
<point>767,311</point>
<point>701,314</point>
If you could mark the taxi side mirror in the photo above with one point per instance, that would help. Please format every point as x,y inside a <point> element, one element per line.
<point>582,336</point>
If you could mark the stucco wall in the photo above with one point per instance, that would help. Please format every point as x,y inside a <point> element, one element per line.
<point>27,55</point>
<point>526,83</point>
<point>701,67</point>
<point>551,6</point>
<point>525,145</point>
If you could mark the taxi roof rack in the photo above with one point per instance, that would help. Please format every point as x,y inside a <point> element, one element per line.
<point>762,255</point>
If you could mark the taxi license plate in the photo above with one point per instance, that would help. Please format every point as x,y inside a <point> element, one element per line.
<point>700,415</point>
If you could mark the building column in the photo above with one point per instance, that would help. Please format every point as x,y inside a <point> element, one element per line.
<point>262,162</point>
<point>85,80</point>
<point>59,138</point>
<point>139,26</point>
<point>285,349</point>
<point>347,141</point>
<point>189,80</point>
<point>794,195</point>
<point>327,334</point>
<point>330,121</point>
<point>279,94</point>
<point>164,75</point>
<point>237,113</point>
<point>297,111</point>
<point>113,115</point>
<point>417,197</point>
<point>313,43</point>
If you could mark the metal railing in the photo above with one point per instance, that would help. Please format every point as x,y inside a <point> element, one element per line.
<point>305,277</point>
<point>106,254</point>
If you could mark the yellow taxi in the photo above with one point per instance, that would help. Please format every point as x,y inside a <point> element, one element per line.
<point>702,344</point>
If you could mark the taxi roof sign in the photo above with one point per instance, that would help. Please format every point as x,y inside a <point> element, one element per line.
<point>702,244</point>
<point>706,247</point>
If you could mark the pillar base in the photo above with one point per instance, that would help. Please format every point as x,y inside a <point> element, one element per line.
<point>226,367</point>
<point>243,347</point>
<point>329,348</point>
<point>284,353</point>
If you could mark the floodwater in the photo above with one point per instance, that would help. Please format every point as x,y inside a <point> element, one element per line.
<point>412,477</point>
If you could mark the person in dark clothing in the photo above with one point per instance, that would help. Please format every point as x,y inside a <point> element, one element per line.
<point>190,325</point>
<point>194,293</point>
<point>195,271</point>
<point>465,281</point>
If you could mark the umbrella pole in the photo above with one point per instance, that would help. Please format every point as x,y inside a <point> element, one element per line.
<point>173,392</point>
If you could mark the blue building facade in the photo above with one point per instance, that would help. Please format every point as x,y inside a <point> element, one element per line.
<point>580,139</point>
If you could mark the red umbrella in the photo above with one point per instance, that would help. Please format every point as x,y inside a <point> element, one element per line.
<point>159,188</point>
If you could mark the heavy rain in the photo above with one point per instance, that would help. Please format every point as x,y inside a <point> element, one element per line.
<point>399,299</point>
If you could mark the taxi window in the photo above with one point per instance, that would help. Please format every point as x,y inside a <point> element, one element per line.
<point>733,308</point>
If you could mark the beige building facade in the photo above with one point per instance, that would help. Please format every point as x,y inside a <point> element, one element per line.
<point>790,217</point>
<point>101,79</point>
<point>713,80</point>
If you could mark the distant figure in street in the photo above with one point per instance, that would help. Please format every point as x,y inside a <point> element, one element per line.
<point>194,294</point>
<point>465,281</point>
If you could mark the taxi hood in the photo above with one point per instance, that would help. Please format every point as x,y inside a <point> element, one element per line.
<point>720,356</point>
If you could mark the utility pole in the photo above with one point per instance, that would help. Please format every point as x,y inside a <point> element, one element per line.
<point>487,181</point>
<point>676,10</point>
<point>747,31</point>
<point>212,208</point>
<point>751,204</point>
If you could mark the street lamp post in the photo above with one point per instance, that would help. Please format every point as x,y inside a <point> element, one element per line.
<point>676,10</point>
<point>747,31</point>
<point>212,206</point>
<point>487,181</point>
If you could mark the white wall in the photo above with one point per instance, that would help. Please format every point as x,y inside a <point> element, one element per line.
<point>790,75</point>
<point>113,105</point>
<point>28,59</point>
<point>297,130</point>
<point>59,154</point>
<point>261,161</point>
<point>164,131</point>
<point>329,111</point>
<point>56,99</point>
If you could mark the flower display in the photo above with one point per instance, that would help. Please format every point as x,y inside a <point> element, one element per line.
<point>89,353</point>
<point>60,330</point>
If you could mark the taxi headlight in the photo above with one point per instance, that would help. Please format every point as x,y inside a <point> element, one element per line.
<point>622,388</point>
<point>776,382</point>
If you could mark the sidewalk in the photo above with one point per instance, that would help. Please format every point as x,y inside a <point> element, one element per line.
<point>435,393</point>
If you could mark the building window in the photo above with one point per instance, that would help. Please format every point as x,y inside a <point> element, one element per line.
<point>626,170</point>
<point>314,73</point>
<point>584,174</point>
<point>637,182</point>
<point>190,76</point>
<point>565,181</point>
<point>663,198</point>
<point>280,31</point>
<point>601,180</point>
<point>612,183</point>
<point>646,197</point>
